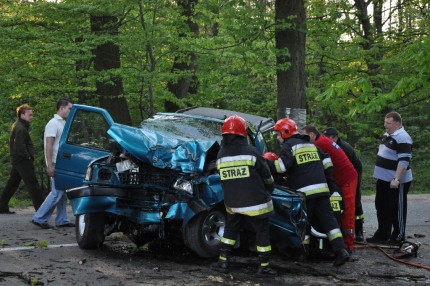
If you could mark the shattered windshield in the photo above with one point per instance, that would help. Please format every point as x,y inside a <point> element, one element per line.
<point>183,127</point>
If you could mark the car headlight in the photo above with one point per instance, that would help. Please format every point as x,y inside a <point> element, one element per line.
<point>183,185</point>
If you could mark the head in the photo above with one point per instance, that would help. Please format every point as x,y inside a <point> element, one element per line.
<point>235,125</point>
<point>284,129</point>
<point>392,122</point>
<point>25,112</point>
<point>64,105</point>
<point>312,132</point>
<point>332,133</point>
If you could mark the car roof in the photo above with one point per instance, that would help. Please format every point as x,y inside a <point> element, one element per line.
<point>267,123</point>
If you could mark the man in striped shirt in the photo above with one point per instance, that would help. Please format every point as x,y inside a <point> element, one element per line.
<point>393,177</point>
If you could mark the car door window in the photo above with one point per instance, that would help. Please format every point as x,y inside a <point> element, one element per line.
<point>89,129</point>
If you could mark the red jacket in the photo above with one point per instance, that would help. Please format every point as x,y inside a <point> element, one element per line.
<point>343,170</point>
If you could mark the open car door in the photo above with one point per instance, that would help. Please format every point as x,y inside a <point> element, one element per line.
<point>84,139</point>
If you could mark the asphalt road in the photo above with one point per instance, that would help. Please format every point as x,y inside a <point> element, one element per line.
<point>32,256</point>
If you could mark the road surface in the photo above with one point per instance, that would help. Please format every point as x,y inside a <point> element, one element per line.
<point>32,256</point>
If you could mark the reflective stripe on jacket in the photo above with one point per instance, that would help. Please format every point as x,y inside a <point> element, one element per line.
<point>303,162</point>
<point>244,175</point>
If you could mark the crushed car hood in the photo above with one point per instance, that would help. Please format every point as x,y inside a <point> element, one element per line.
<point>163,149</point>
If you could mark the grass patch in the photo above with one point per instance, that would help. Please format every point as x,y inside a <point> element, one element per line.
<point>20,202</point>
<point>37,244</point>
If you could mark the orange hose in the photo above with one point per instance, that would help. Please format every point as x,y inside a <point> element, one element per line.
<point>380,247</point>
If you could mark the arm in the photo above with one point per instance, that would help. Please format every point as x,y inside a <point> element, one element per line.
<point>49,154</point>
<point>263,169</point>
<point>328,171</point>
<point>395,182</point>
<point>20,145</point>
<point>404,153</point>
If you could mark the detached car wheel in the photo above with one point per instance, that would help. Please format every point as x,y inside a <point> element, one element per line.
<point>90,230</point>
<point>203,233</point>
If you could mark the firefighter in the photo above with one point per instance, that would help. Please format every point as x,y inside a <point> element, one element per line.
<point>247,184</point>
<point>304,163</point>
<point>346,179</point>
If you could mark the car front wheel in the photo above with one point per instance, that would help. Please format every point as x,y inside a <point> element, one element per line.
<point>90,230</point>
<point>203,232</point>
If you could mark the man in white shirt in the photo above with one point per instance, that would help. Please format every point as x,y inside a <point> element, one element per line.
<point>56,198</point>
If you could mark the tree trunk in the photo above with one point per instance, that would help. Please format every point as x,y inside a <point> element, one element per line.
<point>369,33</point>
<point>106,58</point>
<point>184,62</point>
<point>291,65</point>
<point>82,68</point>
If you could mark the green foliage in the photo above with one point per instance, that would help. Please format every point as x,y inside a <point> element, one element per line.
<point>37,244</point>
<point>352,81</point>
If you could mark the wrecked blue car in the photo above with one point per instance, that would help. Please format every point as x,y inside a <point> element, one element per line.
<point>158,180</point>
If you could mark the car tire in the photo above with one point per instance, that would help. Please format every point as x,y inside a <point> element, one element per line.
<point>90,230</point>
<point>203,232</point>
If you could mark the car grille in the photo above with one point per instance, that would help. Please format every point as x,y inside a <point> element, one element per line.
<point>130,178</point>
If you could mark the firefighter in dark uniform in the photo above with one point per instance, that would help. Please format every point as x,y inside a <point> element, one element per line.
<point>247,184</point>
<point>305,166</point>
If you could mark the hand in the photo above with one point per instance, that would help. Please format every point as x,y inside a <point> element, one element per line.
<point>51,170</point>
<point>394,184</point>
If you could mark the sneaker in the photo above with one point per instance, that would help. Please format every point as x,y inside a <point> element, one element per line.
<point>395,242</point>
<point>70,224</point>
<point>377,239</point>
<point>266,271</point>
<point>220,266</point>
<point>342,256</point>
<point>42,225</point>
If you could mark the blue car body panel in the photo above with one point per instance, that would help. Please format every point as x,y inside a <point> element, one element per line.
<point>175,146</point>
<point>162,150</point>
<point>107,204</point>
<point>73,160</point>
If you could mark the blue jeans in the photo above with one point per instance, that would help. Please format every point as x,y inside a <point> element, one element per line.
<point>55,199</point>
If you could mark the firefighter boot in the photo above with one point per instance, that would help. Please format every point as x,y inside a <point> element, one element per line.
<point>222,265</point>
<point>359,236</point>
<point>342,256</point>
<point>264,269</point>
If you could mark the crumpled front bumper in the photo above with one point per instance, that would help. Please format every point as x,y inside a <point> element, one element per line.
<point>117,201</point>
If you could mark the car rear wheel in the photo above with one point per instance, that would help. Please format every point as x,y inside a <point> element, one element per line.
<point>203,233</point>
<point>90,230</point>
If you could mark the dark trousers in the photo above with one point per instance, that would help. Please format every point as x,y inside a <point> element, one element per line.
<point>391,209</point>
<point>320,214</point>
<point>259,225</point>
<point>22,170</point>
<point>358,206</point>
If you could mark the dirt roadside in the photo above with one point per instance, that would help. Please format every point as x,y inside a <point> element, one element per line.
<point>120,263</point>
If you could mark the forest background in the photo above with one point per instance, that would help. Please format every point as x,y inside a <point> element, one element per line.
<point>346,62</point>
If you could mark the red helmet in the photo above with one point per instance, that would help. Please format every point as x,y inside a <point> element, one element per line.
<point>270,156</point>
<point>234,125</point>
<point>286,127</point>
